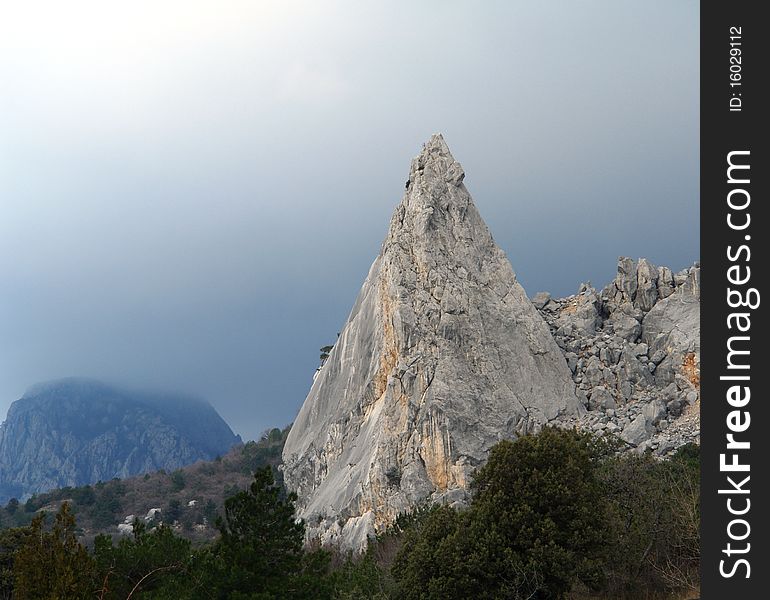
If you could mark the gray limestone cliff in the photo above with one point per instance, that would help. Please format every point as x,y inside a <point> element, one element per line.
<point>74,431</point>
<point>442,355</point>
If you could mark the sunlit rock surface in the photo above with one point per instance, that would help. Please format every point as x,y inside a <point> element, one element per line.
<point>442,355</point>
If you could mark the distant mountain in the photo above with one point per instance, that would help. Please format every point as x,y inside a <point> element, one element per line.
<point>72,432</point>
<point>189,498</point>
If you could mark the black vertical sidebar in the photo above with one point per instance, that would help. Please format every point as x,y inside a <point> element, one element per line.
<point>734,523</point>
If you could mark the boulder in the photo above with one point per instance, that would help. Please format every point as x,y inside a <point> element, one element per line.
<point>665,282</point>
<point>625,322</point>
<point>626,280</point>
<point>636,432</point>
<point>601,399</point>
<point>655,411</point>
<point>646,286</point>
<point>541,299</point>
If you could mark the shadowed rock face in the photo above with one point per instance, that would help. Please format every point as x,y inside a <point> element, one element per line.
<point>74,431</point>
<point>442,355</point>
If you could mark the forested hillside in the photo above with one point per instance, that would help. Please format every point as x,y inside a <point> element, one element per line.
<point>188,498</point>
<point>557,515</point>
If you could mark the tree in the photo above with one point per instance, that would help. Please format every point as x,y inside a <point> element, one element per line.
<point>173,511</point>
<point>680,563</point>
<point>178,480</point>
<point>654,515</point>
<point>430,563</point>
<point>534,527</point>
<point>362,578</point>
<point>51,565</point>
<point>325,351</point>
<point>260,555</point>
<point>84,496</point>
<point>210,511</point>
<point>32,504</point>
<point>107,505</point>
<point>144,563</point>
<point>11,540</point>
<point>540,494</point>
<point>12,506</point>
<point>276,436</point>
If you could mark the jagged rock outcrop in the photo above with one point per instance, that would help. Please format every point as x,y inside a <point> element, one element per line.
<point>634,351</point>
<point>442,355</point>
<point>74,431</point>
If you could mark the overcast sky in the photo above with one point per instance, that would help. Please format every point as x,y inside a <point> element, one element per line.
<point>191,193</point>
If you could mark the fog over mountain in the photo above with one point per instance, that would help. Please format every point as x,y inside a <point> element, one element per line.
<point>190,201</point>
<point>74,432</point>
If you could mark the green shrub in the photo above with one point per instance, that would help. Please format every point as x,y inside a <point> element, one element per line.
<point>535,526</point>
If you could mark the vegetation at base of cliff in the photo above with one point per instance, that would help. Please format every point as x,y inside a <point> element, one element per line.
<point>561,515</point>
<point>535,526</point>
<point>557,515</point>
<point>99,508</point>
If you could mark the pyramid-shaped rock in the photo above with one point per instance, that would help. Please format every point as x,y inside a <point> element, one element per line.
<point>442,356</point>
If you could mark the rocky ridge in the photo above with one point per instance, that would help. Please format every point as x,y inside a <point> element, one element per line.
<point>634,352</point>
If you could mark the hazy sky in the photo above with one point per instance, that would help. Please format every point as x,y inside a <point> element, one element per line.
<point>191,193</point>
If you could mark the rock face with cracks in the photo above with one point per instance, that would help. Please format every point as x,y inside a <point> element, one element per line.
<point>442,356</point>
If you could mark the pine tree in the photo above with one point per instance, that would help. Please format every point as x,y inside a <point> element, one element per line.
<point>10,542</point>
<point>53,565</point>
<point>260,554</point>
